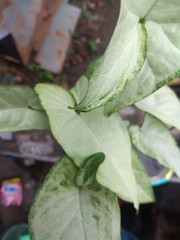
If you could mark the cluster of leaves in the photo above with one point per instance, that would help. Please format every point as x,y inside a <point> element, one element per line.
<point>82,135</point>
<point>78,199</point>
<point>142,56</point>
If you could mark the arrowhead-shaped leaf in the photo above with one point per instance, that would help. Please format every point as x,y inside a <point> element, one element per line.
<point>154,139</point>
<point>62,211</point>
<point>164,105</point>
<point>83,134</point>
<point>20,109</point>
<point>145,192</point>
<point>162,62</point>
<point>121,62</point>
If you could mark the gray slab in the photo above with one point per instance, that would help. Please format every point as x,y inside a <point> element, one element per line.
<point>19,18</point>
<point>53,51</point>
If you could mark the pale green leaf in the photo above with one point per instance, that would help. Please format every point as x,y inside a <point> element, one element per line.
<point>83,134</point>
<point>121,62</point>
<point>62,211</point>
<point>145,192</point>
<point>162,62</point>
<point>164,105</point>
<point>20,109</point>
<point>154,139</point>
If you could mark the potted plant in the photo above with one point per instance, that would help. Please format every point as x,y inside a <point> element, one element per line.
<point>78,199</point>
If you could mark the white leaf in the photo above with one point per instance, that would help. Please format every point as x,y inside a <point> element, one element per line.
<point>83,134</point>
<point>145,192</point>
<point>164,105</point>
<point>154,139</point>
<point>20,109</point>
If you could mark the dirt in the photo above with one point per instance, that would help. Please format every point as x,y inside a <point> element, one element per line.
<point>95,26</point>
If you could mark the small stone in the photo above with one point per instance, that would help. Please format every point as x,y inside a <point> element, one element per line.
<point>91,5</point>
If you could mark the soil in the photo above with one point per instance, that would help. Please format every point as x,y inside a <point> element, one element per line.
<point>92,36</point>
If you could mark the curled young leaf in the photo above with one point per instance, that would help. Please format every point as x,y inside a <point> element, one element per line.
<point>86,175</point>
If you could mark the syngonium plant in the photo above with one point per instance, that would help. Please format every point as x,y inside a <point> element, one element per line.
<point>78,199</point>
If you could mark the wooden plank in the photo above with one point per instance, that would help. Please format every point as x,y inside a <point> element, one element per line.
<point>36,145</point>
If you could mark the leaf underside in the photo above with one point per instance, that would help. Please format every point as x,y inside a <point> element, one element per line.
<point>121,62</point>
<point>162,62</point>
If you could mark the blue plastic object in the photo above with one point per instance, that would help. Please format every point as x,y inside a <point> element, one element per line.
<point>125,235</point>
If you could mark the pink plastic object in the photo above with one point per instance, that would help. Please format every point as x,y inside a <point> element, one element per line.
<point>11,192</point>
